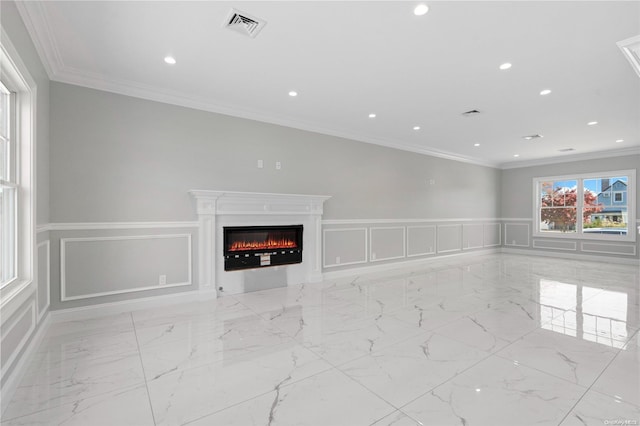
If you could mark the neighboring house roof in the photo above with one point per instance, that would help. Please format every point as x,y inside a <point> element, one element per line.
<point>613,184</point>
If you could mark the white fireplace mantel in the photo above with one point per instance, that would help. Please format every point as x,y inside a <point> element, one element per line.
<point>217,209</point>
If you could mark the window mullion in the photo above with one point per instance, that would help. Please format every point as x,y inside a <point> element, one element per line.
<point>580,206</point>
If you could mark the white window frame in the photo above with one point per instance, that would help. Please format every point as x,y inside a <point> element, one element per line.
<point>579,235</point>
<point>15,75</point>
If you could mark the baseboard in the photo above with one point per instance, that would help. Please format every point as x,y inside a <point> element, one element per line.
<point>15,376</point>
<point>404,264</point>
<point>113,308</point>
<point>571,256</point>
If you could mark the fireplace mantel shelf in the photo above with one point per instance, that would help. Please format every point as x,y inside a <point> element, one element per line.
<point>216,209</point>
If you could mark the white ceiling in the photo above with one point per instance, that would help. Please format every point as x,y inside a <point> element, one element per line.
<point>347,59</point>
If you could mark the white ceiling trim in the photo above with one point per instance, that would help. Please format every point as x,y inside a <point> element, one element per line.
<point>570,158</point>
<point>134,89</point>
<point>35,19</point>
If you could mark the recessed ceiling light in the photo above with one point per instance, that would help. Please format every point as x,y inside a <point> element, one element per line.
<point>293,93</point>
<point>416,127</point>
<point>505,66</point>
<point>592,123</point>
<point>372,115</point>
<point>531,137</point>
<point>516,155</point>
<point>170,60</point>
<point>476,144</point>
<point>421,9</point>
<point>620,140</point>
<point>545,92</point>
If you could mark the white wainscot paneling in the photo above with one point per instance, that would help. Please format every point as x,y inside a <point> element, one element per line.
<point>421,240</point>
<point>15,335</point>
<point>609,248</point>
<point>43,290</point>
<point>449,238</point>
<point>492,235</point>
<point>555,244</point>
<point>387,243</point>
<point>344,246</point>
<point>472,236</point>
<point>101,266</point>
<point>516,234</point>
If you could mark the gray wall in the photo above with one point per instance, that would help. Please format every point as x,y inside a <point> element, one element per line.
<point>118,158</point>
<point>20,318</point>
<point>517,204</point>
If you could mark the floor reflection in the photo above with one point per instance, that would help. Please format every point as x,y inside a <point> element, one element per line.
<point>589,313</point>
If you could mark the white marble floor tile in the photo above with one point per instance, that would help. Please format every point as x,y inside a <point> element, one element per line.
<point>621,379</point>
<point>222,308</point>
<point>571,358</point>
<point>498,393</point>
<point>88,326</point>
<point>397,418</point>
<point>439,337</point>
<point>329,398</point>
<point>406,370</point>
<point>489,330</point>
<point>124,407</point>
<point>222,341</point>
<point>595,409</point>
<point>74,379</point>
<point>182,396</point>
<point>353,340</point>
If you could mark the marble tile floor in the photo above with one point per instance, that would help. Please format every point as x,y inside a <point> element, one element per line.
<point>487,340</point>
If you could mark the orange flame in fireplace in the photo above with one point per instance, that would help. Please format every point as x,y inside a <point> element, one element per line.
<point>269,244</point>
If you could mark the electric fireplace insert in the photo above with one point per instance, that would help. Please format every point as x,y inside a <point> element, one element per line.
<point>248,247</point>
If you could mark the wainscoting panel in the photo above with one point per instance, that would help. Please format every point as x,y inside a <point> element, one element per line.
<point>555,244</point>
<point>516,234</point>
<point>472,236</point>
<point>100,266</point>
<point>492,234</point>
<point>421,240</point>
<point>43,290</point>
<point>449,238</point>
<point>387,243</point>
<point>609,248</point>
<point>346,246</point>
<point>15,334</point>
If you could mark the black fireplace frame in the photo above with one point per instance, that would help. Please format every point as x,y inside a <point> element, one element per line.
<point>261,258</point>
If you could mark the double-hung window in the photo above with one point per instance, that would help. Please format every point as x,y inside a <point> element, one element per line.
<point>586,206</point>
<point>8,187</point>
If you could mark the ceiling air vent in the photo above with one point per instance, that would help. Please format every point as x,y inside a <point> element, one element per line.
<point>244,23</point>
<point>566,150</point>
<point>470,113</point>
<point>631,49</point>
<point>531,137</point>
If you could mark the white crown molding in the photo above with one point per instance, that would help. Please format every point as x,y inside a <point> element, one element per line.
<point>597,155</point>
<point>36,21</point>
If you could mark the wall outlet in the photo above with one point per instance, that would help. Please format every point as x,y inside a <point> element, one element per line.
<point>373,256</point>
<point>337,260</point>
<point>162,280</point>
<point>513,242</point>
<point>278,165</point>
<point>260,164</point>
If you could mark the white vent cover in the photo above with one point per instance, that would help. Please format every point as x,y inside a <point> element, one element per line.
<point>244,23</point>
<point>631,49</point>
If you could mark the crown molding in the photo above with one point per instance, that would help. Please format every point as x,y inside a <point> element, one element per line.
<point>37,20</point>
<point>596,155</point>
